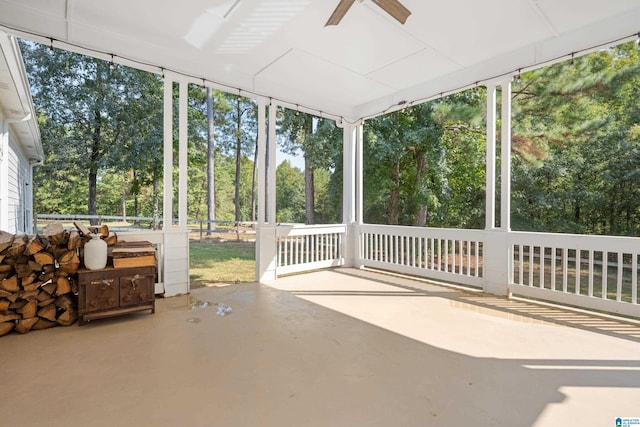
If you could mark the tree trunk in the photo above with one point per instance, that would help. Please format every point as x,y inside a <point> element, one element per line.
<point>309,185</point>
<point>309,189</point>
<point>211,184</point>
<point>156,201</point>
<point>394,208</point>
<point>124,199</point>
<point>420,219</point>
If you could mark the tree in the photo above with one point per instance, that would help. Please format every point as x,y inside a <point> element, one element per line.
<point>92,109</point>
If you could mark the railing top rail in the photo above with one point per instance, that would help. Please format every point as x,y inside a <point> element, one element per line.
<point>404,230</point>
<point>302,229</point>
<point>576,241</point>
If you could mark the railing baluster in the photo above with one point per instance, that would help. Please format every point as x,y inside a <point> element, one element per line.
<point>578,268</point>
<point>565,268</point>
<point>634,278</point>
<point>619,282</point>
<point>521,264</point>
<point>542,261</point>
<point>605,274</point>
<point>590,288</point>
<point>554,253</point>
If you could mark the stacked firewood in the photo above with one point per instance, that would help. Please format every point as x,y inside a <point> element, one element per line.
<point>37,286</point>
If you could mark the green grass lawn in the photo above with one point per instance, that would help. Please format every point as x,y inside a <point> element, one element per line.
<point>213,263</point>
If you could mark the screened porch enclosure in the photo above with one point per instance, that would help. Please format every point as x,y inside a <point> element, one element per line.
<point>282,54</point>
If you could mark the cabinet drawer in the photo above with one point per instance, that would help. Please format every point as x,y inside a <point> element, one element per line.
<point>136,289</point>
<point>102,294</point>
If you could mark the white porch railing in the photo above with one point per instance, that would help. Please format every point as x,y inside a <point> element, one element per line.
<point>309,247</point>
<point>439,253</point>
<point>597,272</point>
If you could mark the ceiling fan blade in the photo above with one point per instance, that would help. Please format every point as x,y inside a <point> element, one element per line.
<point>339,12</point>
<point>395,9</point>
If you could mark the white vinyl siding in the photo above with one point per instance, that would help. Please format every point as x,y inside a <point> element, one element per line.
<point>17,190</point>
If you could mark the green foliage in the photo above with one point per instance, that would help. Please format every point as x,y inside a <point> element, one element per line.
<point>289,194</point>
<point>425,165</point>
<point>576,145</point>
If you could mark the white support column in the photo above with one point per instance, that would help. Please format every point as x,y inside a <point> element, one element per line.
<point>490,193</point>
<point>266,237</point>
<point>349,193</point>
<point>349,166</point>
<point>175,241</point>
<point>262,158</point>
<point>359,173</point>
<point>495,247</point>
<point>505,159</point>
<point>167,207</point>
<point>271,165</point>
<point>182,155</point>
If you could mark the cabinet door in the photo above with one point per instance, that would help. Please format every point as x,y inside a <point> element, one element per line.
<point>102,294</point>
<point>136,289</point>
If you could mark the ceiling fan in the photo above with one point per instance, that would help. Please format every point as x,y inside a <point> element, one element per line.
<point>392,7</point>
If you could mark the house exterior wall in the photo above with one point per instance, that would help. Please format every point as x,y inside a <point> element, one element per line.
<point>16,197</point>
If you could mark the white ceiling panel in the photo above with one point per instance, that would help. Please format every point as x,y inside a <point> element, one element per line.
<point>414,69</point>
<point>306,73</point>
<point>282,49</point>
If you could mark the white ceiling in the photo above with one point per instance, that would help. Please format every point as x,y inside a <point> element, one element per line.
<point>362,67</point>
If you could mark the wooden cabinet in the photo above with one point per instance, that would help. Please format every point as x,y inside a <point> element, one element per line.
<point>115,291</point>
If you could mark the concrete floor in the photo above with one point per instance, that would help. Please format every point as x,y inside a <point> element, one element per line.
<point>333,348</point>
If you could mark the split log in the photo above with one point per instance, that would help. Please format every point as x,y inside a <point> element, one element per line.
<point>44,258</point>
<point>47,300</point>
<point>75,241</point>
<point>30,279</point>
<point>17,247</point>
<point>5,268</point>
<point>112,239</point>
<point>68,317</point>
<point>45,277</point>
<point>49,312</point>
<point>44,324</point>
<point>17,304</point>
<point>63,286</point>
<point>29,310</point>
<point>49,288</point>
<point>6,240</point>
<point>55,233</point>
<point>10,284</point>
<point>69,262</point>
<point>82,228</point>
<point>64,302</point>
<point>30,295</point>
<point>24,325</point>
<point>31,286</point>
<point>8,316</point>
<point>36,244</point>
<point>6,327</point>
<point>103,230</point>
<point>4,304</point>
<point>51,268</point>
<point>1,257</point>
<point>13,296</point>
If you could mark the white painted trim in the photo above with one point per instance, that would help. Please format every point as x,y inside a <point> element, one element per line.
<point>271,166</point>
<point>505,158</point>
<point>167,204</point>
<point>490,185</point>
<point>182,155</point>
<point>262,142</point>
